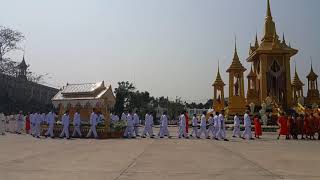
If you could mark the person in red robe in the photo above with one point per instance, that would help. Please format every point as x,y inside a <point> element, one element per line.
<point>300,123</point>
<point>313,126</point>
<point>306,126</point>
<point>282,122</point>
<point>28,123</point>
<point>290,124</point>
<point>257,127</point>
<point>187,122</point>
<point>318,119</point>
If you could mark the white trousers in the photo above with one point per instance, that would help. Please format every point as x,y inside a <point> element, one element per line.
<point>50,130</point>
<point>221,133</point>
<point>247,132</point>
<point>203,130</point>
<point>164,131</point>
<point>65,132</point>
<point>129,131</point>
<point>76,130</point>
<point>37,130</point>
<point>136,130</point>
<point>194,131</point>
<point>211,130</point>
<point>19,125</point>
<point>93,131</point>
<point>236,131</point>
<point>149,130</point>
<point>182,132</point>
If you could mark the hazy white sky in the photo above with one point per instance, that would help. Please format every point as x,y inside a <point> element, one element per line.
<point>167,47</point>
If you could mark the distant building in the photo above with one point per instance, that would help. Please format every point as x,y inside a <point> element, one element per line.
<point>17,93</point>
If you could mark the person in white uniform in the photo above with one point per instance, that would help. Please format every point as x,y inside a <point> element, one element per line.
<point>76,124</point>
<point>164,126</point>
<point>136,123</point>
<point>93,124</point>
<point>221,134</point>
<point>211,126</point>
<point>32,124</point>
<point>195,126</point>
<point>19,122</point>
<point>216,123</point>
<point>130,126</point>
<point>148,126</point>
<point>65,122</point>
<point>38,121</point>
<point>50,118</point>
<point>203,125</point>
<point>236,126</point>
<point>247,126</point>
<point>124,116</point>
<point>2,124</point>
<point>182,126</point>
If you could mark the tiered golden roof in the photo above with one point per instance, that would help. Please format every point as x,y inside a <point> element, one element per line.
<point>236,64</point>
<point>218,81</point>
<point>252,73</point>
<point>312,75</point>
<point>296,80</point>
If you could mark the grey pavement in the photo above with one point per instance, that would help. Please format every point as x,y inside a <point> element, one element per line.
<point>23,157</point>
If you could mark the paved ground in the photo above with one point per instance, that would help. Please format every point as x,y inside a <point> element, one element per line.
<point>25,158</point>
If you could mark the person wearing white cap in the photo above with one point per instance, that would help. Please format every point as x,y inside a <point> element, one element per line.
<point>2,124</point>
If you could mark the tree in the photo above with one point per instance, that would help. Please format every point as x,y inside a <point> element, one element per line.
<point>123,93</point>
<point>9,40</point>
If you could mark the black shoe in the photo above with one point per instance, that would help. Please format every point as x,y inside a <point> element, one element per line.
<point>251,138</point>
<point>161,137</point>
<point>216,139</point>
<point>169,137</point>
<point>226,139</point>
<point>143,136</point>
<point>234,136</point>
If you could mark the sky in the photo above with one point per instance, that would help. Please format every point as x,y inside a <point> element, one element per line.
<point>166,47</point>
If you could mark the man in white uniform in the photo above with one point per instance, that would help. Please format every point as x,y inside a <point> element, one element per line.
<point>221,134</point>
<point>76,124</point>
<point>164,126</point>
<point>50,118</point>
<point>93,123</point>
<point>247,126</point>
<point>203,125</point>
<point>136,123</point>
<point>236,126</point>
<point>32,124</point>
<point>148,126</point>
<point>2,124</point>
<point>19,122</point>
<point>194,126</point>
<point>65,122</point>
<point>211,126</point>
<point>38,121</point>
<point>128,133</point>
<point>124,116</point>
<point>216,123</point>
<point>182,126</point>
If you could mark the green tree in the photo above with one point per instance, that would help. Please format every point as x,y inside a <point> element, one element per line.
<point>123,93</point>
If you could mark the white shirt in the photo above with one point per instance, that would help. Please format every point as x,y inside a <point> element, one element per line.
<point>216,121</point>
<point>38,118</point>
<point>123,117</point>
<point>51,118</point>
<point>149,120</point>
<point>182,120</point>
<point>221,121</point>
<point>136,120</point>
<point>93,119</point>
<point>194,121</point>
<point>210,121</point>
<point>236,121</point>
<point>129,120</point>
<point>203,122</point>
<point>65,120</point>
<point>76,119</point>
<point>246,120</point>
<point>164,121</point>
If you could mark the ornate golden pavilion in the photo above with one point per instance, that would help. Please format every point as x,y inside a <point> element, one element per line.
<point>269,77</point>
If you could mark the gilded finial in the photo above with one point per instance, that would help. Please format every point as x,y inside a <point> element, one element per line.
<point>268,9</point>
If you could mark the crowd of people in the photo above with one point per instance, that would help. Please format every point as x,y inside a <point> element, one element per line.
<point>33,121</point>
<point>306,126</point>
<point>209,126</point>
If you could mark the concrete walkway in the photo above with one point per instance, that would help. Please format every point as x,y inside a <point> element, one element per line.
<point>25,158</point>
